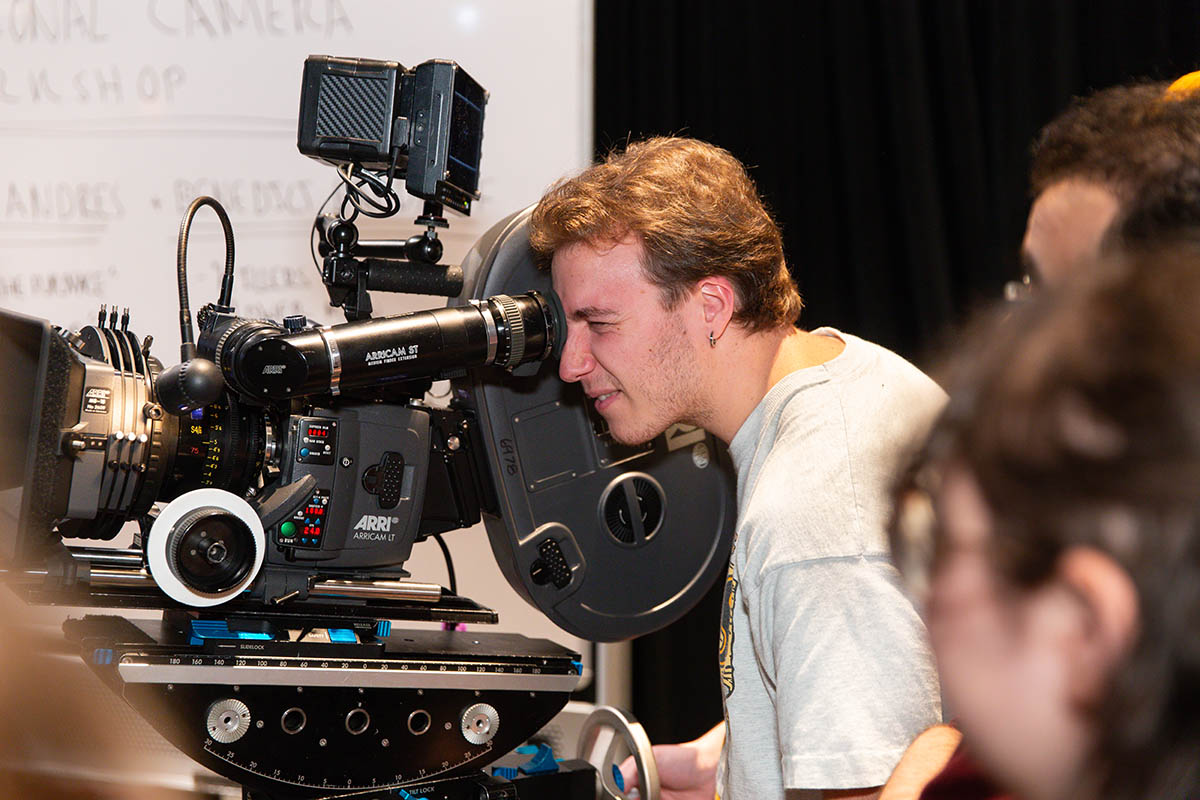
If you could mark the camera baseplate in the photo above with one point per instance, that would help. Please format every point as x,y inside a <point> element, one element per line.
<point>293,720</point>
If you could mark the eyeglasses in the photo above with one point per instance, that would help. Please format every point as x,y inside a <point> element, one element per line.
<point>1020,289</point>
<point>915,533</point>
<point>1022,548</point>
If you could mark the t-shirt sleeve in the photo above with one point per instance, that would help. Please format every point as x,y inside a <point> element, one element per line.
<point>851,669</point>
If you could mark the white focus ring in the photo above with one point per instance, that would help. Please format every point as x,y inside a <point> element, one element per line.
<point>159,545</point>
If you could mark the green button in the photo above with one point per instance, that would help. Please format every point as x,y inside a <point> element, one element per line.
<point>287,529</point>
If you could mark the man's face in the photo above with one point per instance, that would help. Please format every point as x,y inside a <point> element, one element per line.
<point>1066,223</point>
<point>632,356</point>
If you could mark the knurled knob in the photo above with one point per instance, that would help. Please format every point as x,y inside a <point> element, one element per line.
<point>516,329</point>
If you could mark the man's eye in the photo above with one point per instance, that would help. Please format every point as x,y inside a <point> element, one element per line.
<point>597,325</point>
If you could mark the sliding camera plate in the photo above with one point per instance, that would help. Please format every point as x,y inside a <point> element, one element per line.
<point>315,719</point>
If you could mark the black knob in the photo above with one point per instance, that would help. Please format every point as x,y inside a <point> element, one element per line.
<point>343,235</point>
<point>193,384</point>
<point>295,322</point>
<point>423,248</point>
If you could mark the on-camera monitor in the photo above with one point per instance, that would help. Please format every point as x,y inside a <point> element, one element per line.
<point>466,133</point>
<point>22,343</point>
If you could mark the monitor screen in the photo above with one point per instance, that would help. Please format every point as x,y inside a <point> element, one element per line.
<point>466,133</point>
<point>24,351</point>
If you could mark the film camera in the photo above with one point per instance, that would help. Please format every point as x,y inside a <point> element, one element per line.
<point>279,475</point>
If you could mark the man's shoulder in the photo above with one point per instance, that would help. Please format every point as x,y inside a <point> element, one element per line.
<point>878,388</point>
<point>823,484</point>
<point>864,360</point>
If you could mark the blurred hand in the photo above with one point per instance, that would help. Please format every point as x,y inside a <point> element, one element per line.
<point>686,771</point>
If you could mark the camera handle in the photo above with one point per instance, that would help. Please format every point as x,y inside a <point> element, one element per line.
<point>408,267</point>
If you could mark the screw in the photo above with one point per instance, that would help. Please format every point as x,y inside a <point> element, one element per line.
<point>347,461</point>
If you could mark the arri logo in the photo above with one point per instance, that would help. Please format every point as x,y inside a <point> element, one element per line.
<point>273,369</point>
<point>371,522</point>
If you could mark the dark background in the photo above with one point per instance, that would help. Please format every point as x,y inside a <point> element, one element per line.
<point>891,140</point>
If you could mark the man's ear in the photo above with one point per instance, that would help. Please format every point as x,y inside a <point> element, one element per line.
<point>718,301</point>
<point>1108,623</point>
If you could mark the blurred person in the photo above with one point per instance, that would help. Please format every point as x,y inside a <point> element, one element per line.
<point>1119,169</point>
<point>680,308</point>
<point>1126,157</point>
<point>61,737</point>
<point>1054,526</point>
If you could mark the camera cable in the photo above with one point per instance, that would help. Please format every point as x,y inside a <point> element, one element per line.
<point>449,562</point>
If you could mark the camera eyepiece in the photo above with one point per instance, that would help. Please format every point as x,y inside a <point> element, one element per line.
<point>504,331</point>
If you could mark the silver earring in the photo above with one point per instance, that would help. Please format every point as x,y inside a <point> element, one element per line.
<point>711,341</point>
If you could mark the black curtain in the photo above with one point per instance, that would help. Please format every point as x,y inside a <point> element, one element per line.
<point>891,139</point>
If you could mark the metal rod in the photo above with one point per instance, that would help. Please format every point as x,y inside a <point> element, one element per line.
<point>100,578</point>
<point>395,590</point>
<point>109,556</point>
<point>22,575</point>
<point>126,578</point>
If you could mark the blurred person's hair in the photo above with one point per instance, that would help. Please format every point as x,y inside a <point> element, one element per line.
<point>697,214</point>
<point>1078,414</point>
<point>1166,211</point>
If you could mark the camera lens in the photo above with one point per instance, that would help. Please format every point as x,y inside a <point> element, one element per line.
<point>221,445</point>
<point>211,550</point>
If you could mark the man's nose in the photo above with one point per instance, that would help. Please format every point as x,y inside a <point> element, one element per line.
<point>576,360</point>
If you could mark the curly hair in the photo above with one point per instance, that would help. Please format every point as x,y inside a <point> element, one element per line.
<point>1124,136</point>
<point>697,214</point>
<point>1140,140</point>
<point>1079,417</point>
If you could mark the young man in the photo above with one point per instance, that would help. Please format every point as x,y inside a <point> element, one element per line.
<point>1128,155</point>
<point>680,308</point>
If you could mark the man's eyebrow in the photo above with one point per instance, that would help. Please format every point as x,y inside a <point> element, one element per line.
<point>591,312</point>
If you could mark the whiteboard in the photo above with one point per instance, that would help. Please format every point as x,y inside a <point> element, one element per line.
<point>115,115</point>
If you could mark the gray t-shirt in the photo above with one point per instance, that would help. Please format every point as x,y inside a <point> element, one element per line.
<point>827,670</point>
